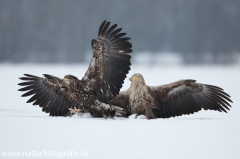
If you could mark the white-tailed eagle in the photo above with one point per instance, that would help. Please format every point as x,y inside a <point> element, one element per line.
<point>102,81</point>
<point>170,100</point>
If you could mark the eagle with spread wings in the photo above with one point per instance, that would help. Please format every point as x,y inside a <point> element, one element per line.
<point>175,99</point>
<point>102,81</point>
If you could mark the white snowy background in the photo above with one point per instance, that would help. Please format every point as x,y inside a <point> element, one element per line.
<point>206,134</point>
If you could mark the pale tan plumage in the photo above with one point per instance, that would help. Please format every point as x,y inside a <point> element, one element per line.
<point>170,100</point>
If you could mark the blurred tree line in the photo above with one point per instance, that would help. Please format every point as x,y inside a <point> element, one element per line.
<point>61,30</point>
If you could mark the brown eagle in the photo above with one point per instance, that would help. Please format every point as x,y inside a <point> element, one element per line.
<point>170,100</point>
<point>102,81</point>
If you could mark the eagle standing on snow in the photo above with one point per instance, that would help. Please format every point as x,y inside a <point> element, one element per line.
<point>170,100</point>
<point>101,83</point>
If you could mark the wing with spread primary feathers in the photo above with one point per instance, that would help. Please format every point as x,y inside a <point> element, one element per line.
<point>46,93</point>
<point>187,97</point>
<point>110,62</point>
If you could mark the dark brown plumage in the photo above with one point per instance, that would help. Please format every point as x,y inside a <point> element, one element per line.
<point>170,100</point>
<point>101,83</point>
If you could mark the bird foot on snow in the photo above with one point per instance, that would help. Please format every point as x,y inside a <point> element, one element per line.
<point>76,111</point>
<point>119,111</point>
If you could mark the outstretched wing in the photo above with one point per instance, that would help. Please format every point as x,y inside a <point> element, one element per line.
<point>187,97</point>
<point>46,93</point>
<point>110,62</point>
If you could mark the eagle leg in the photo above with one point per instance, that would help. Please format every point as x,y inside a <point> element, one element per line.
<point>97,108</point>
<point>119,111</point>
<point>75,110</point>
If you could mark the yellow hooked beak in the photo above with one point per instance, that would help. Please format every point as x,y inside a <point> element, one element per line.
<point>135,78</point>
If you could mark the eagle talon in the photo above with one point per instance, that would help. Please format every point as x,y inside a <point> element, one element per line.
<point>119,111</point>
<point>75,111</point>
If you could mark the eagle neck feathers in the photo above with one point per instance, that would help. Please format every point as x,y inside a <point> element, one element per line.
<point>137,97</point>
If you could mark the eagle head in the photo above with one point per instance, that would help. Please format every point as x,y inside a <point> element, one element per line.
<point>136,77</point>
<point>67,81</point>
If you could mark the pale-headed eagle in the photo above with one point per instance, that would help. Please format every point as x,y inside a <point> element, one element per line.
<point>170,100</point>
<point>102,81</point>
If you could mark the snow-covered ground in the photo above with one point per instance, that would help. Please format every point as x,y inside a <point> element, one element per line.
<point>206,134</point>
